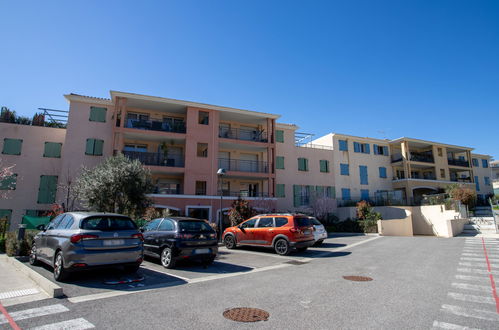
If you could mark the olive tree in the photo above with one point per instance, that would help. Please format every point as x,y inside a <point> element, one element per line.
<point>118,184</point>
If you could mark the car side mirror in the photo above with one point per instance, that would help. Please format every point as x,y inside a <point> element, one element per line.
<point>41,227</point>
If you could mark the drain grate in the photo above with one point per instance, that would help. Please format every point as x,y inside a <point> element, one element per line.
<point>246,314</point>
<point>358,278</point>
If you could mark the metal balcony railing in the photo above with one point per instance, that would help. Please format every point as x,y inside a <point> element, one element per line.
<point>240,165</point>
<point>457,179</point>
<point>153,125</point>
<point>168,190</point>
<point>155,158</point>
<point>422,157</point>
<point>242,134</point>
<point>243,193</point>
<point>458,162</point>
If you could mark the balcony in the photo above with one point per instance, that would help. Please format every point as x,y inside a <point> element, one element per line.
<point>154,158</point>
<point>396,158</point>
<point>240,165</point>
<point>458,162</point>
<point>242,134</point>
<point>243,193</point>
<point>153,125</point>
<point>168,190</point>
<point>458,179</point>
<point>426,157</point>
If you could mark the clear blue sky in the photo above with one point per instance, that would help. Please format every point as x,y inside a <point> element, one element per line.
<point>422,69</point>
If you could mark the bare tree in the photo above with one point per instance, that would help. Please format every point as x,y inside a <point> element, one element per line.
<point>5,174</point>
<point>321,206</point>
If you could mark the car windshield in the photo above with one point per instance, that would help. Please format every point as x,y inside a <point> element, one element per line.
<point>302,222</point>
<point>108,223</point>
<point>194,226</point>
<point>315,222</point>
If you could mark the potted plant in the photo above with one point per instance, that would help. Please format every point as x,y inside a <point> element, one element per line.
<point>164,148</point>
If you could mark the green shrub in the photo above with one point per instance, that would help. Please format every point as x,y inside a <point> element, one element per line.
<point>368,219</point>
<point>347,226</point>
<point>12,245</point>
<point>2,245</point>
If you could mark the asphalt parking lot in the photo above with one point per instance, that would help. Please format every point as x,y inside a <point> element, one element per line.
<point>228,263</point>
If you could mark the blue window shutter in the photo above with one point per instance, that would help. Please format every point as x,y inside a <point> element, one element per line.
<point>375,147</point>
<point>366,148</point>
<point>343,145</point>
<point>385,150</point>
<point>344,170</point>
<point>345,194</point>
<point>485,163</point>
<point>363,174</point>
<point>475,162</point>
<point>477,184</point>
<point>356,147</point>
<point>382,172</point>
<point>364,194</point>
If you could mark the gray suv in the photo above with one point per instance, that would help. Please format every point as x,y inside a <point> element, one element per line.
<point>81,240</point>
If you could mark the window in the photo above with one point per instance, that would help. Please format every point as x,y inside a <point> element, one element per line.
<point>343,145</point>
<point>202,150</point>
<point>266,222</point>
<point>301,195</point>
<point>379,150</point>
<point>108,223</point>
<point>55,222</point>
<point>302,164</point>
<point>152,225</point>
<point>382,172</point>
<point>47,189</point>
<point>66,222</point>
<point>200,187</point>
<point>279,136</point>
<point>98,114</point>
<point>249,224</point>
<point>324,166</point>
<point>345,194</point>
<point>475,162</point>
<point>361,147</point>
<point>442,173</point>
<point>486,180</point>
<point>52,150</point>
<point>344,169</point>
<point>195,226</point>
<point>279,162</point>
<point>279,221</point>
<point>485,163</point>
<point>203,118</point>
<point>477,184</point>
<point>439,152</point>
<point>94,147</point>
<point>364,194</point>
<point>166,225</point>
<point>9,183</point>
<point>280,190</point>
<point>135,147</point>
<point>363,174</point>
<point>12,146</point>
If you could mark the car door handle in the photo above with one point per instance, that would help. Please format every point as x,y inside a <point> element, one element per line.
<point>271,230</point>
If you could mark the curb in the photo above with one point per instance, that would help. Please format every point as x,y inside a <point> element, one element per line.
<point>52,289</point>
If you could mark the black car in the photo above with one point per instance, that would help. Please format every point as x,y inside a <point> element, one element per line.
<point>175,238</point>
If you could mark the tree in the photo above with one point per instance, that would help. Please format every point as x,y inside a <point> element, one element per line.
<point>5,176</point>
<point>461,193</point>
<point>368,219</point>
<point>118,184</point>
<point>240,211</point>
<point>322,206</point>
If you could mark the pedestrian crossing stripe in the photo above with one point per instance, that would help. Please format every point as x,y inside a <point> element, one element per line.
<point>18,293</point>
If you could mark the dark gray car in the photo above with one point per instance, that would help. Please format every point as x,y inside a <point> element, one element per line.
<point>81,240</point>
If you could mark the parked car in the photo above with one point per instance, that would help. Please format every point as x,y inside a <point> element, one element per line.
<point>175,238</point>
<point>80,240</point>
<point>320,233</point>
<point>282,232</point>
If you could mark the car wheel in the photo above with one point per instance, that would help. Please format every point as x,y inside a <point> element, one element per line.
<point>167,259</point>
<point>230,242</point>
<point>318,243</point>
<point>60,274</point>
<point>131,269</point>
<point>281,247</point>
<point>210,260</point>
<point>33,260</point>
<point>302,249</point>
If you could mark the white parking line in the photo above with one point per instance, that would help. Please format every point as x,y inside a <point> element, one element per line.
<point>477,271</point>
<point>469,312</point>
<point>450,326</point>
<point>484,278</point>
<point>34,312</point>
<point>471,298</point>
<point>476,264</point>
<point>479,259</point>
<point>75,324</point>
<point>473,287</point>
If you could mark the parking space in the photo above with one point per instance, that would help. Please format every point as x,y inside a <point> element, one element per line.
<point>234,262</point>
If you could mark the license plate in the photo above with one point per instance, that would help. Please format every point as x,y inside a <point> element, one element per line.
<point>306,232</point>
<point>201,251</point>
<point>114,242</point>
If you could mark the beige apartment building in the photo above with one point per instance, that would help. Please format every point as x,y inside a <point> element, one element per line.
<point>184,143</point>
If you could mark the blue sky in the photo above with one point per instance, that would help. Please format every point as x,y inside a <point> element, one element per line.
<point>384,69</point>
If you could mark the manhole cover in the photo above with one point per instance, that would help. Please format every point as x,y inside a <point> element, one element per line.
<point>245,314</point>
<point>358,278</point>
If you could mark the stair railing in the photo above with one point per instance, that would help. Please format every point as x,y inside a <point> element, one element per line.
<point>494,215</point>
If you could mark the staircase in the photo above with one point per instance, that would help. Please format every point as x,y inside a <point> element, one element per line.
<point>483,212</point>
<point>482,224</point>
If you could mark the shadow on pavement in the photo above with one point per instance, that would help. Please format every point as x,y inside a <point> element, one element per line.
<point>194,266</point>
<point>338,234</point>
<point>330,245</point>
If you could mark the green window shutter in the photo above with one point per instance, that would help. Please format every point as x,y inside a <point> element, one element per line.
<point>300,164</point>
<point>47,190</point>
<point>94,147</point>
<point>305,163</point>
<point>279,136</point>
<point>333,192</point>
<point>296,195</point>
<point>4,213</point>
<point>279,162</point>
<point>324,165</point>
<point>99,144</point>
<point>12,146</point>
<point>89,149</point>
<point>52,149</point>
<point>320,191</point>
<point>98,114</point>
<point>9,183</point>
<point>280,190</point>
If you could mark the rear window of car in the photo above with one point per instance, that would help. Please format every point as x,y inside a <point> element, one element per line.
<point>194,226</point>
<point>108,223</point>
<point>302,222</point>
<point>280,221</point>
<point>315,222</point>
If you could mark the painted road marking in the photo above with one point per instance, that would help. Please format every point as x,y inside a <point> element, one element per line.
<point>450,326</point>
<point>479,259</point>
<point>472,278</point>
<point>18,293</point>
<point>34,312</point>
<point>471,298</point>
<point>473,287</point>
<point>477,271</point>
<point>474,264</point>
<point>469,312</point>
<point>75,324</point>
<point>491,276</point>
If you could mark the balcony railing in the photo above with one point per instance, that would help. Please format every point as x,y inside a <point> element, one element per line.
<point>155,158</point>
<point>457,179</point>
<point>153,125</point>
<point>422,157</point>
<point>240,165</point>
<point>458,162</point>
<point>396,158</point>
<point>168,190</point>
<point>244,193</point>
<point>242,134</point>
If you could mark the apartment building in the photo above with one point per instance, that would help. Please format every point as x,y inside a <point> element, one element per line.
<point>184,143</point>
<point>495,176</point>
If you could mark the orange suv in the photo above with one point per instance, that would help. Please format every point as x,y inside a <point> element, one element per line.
<point>279,231</point>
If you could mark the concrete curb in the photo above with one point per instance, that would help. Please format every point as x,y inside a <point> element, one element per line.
<point>52,289</point>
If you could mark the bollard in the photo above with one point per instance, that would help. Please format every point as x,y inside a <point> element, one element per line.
<point>20,237</point>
